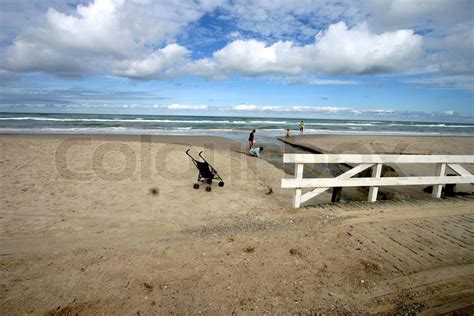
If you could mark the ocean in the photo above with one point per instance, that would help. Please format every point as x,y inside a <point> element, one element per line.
<point>227,126</point>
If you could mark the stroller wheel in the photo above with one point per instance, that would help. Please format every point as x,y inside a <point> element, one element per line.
<point>221,184</point>
<point>208,189</point>
<point>196,185</point>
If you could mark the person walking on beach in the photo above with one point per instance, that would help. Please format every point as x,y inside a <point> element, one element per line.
<point>301,126</point>
<point>252,139</point>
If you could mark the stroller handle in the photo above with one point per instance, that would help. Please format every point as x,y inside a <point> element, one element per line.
<point>187,153</point>
<point>200,155</point>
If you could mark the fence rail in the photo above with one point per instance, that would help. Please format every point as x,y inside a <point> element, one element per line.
<point>376,161</point>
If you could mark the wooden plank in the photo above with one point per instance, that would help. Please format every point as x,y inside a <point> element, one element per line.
<point>440,171</point>
<point>297,193</point>
<point>459,169</point>
<point>346,175</point>
<point>340,158</point>
<point>376,173</point>
<point>360,182</point>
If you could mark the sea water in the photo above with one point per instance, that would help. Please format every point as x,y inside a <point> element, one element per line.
<point>229,126</point>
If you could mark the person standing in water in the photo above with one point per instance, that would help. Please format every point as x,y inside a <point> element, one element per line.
<point>301,126</point>
<point>252,139</point>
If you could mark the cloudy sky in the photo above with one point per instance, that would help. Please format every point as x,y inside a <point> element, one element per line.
<point>408,59</point>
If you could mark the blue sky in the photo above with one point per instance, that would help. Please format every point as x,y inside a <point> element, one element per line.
<point>387,59</point>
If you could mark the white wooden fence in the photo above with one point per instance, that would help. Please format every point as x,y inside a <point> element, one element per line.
<point>367,161</point>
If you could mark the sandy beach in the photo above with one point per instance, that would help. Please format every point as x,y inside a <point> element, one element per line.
<point>112,225</point>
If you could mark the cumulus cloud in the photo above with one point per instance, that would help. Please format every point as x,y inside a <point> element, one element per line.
<point>205,68</point>
<point>336,50</point>
<point>161,62</point>
<point>253,58</point>
<point>448,35</point>
<point>97,35</point>
<point>68,44</point>
<point>146,39</point>
<point>357,50</point>
<point>15,15</point>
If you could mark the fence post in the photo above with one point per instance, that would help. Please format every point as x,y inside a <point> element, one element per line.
<point>440,171</point>
<point>297,194</point>
<point>376,172</point>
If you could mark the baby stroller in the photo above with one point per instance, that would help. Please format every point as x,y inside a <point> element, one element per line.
<point>206,172</point>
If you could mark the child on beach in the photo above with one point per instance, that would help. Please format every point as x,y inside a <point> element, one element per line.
<point>288,132</point>
<point>255,151</point>
<point>251,139</point>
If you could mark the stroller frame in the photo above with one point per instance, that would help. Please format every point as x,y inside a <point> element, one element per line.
<point>207,173</point>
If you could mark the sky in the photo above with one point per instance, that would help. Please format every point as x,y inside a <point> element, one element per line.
<point>358,59</point>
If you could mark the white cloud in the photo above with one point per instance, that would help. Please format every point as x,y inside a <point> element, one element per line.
<point>157,64</point>
<point>319,109</point>
<point>289,109</point>
<point>252,107</point>
<point>254,58</point>
<point>72,44</point>
<point>357,50</point>
<point>205,67</point>
<point>97,28</point>
<point>126,38</point>
<point>336,50</point>
<point>447,26</point>
<point>186,107</point>
<point>97,35</point>
<point>131,38</point>
<point>246,107</point>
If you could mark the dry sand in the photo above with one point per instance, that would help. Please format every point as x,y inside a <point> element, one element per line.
<point>82,232</point>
